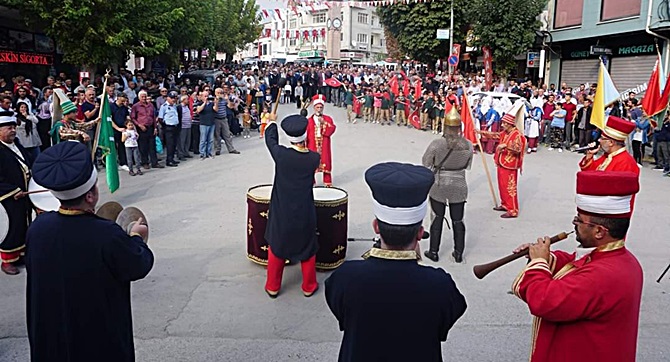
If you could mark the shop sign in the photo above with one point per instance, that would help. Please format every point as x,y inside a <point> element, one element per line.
<point>310,54</point>
<point>624,50</point>
<point>598,50</point>
<point>25,58</point>
<point>636,50</point>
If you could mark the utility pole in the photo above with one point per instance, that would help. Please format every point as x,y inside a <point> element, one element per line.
<point>451,37</point>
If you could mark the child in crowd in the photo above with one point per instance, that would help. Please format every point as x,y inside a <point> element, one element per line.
<point>268,98</point>
<point>298,94</point>
<point>129,139</point>
<point>287,93</point>
<point>265,119</point>
<point>246,123</point>
<point>255,120</point>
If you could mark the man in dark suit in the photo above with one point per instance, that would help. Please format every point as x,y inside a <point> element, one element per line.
<point>374,299</point>
<point>291,229</point>
<point>80,267</point>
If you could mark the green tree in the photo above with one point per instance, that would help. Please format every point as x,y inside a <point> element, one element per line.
<point>508,33</point>
<point>94,32</point>
<point>415,27</point>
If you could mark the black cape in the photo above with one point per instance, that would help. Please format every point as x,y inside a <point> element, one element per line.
<point>291,230</point>
<point>393,310</point>
<point>12,181</point>
<point>78,298</point>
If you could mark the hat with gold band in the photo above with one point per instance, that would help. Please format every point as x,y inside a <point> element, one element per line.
<point>618,128</point>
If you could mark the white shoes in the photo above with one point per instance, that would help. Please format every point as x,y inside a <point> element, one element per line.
<point>550,149</point>
<point>560,150</point>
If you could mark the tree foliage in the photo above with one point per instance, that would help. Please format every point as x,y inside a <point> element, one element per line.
<point>415,27</point>
<point>101,32</point>
<point>508,33</point>
<point>392,46</point>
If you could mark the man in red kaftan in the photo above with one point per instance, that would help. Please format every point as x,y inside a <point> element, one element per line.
<point>586,305</point>
<point>509,160</point>
<point>319,130</point>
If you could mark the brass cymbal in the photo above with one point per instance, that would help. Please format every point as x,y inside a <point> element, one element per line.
<point>109,210</point>
<point>128,217</point>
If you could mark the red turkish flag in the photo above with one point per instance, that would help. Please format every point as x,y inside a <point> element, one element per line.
<point>405,87</point>
<point>288,34</point>
<point>278,14</point>
<point>333,82</point>
<point>393,83</point>
<point>417,89</point>
<point>323,32</point>
<point>297,34</point>
<point>415,120</point>
<point>468,121</point>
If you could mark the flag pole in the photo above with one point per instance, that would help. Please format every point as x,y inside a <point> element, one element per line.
<point>97,126</point>
<point>486,166</point>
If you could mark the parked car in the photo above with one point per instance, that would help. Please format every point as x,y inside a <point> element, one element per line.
<point>206,75</point>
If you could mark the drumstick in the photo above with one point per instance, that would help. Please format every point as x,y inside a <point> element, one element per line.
<point>36,191</point>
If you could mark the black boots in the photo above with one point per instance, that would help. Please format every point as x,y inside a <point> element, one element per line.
<point>432,255</point>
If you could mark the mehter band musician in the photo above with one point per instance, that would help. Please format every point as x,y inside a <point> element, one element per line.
<point>319,130</point>
<point>509,161</point>
<point>80,267</point>
<point>587,304</point>
<point>448,158</point>
<point>375,300</point>
<point>15,164</point>
<point>291,228</point>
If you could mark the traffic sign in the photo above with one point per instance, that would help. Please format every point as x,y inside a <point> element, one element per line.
<point>532,60</point>
<point>453,60</point>
<point>442,34</point>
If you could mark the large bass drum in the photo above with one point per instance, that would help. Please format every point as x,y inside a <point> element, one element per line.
<point>258,204</point>
<point>331,214</point>
<point>331,224</point>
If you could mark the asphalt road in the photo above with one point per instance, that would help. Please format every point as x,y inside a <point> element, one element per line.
<point>204,301</point>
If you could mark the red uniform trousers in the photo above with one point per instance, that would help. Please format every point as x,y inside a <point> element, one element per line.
<point>507,186</point>
<point>276,270</point>
<point>12,256</point>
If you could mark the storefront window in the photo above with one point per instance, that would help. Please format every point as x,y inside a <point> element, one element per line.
<point>569,13</point>
<point>616,9</point>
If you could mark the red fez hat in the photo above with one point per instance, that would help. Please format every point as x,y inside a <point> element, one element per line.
<point>606,194</point>
<point>509,119</point>
<point>319,99</point>
<point>618,128</point>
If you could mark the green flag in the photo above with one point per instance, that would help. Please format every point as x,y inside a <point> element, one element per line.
<point>107,145</point>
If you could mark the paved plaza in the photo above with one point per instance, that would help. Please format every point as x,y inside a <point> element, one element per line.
<point>204,301</point>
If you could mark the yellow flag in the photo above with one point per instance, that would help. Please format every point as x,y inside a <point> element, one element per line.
<point>606,94</point>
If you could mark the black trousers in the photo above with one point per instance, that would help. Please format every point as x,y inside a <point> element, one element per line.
<point>120,148</point>
<point>456,213</point>
<point>638,151</point>
<point>147,145</point>
<point>171,139</point>
<point>195,138</point>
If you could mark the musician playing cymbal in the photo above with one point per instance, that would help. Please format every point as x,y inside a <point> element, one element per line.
<point>80,267</point>
<point>586,304</point>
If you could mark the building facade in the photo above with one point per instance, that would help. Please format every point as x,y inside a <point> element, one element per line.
<point>626,34</point>
<point>332,33</point>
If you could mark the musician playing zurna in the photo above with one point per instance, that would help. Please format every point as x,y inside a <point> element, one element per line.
<point>80,267</point>
<point>374,300</point>
<point>15,164</point>
<point>586,304</point>
<point>319,130</point>
<point>291,228</point>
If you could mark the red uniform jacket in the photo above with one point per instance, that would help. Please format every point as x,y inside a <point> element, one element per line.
<point>327,130</point>
<point>586,310</point>
<point>511,157</point>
